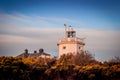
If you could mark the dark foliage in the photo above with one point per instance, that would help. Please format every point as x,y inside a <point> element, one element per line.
<point>65,68</point>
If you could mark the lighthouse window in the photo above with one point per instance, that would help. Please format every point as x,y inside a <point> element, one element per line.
<point>73,34</point>
<point>68,34</point>
<point>64,47</point>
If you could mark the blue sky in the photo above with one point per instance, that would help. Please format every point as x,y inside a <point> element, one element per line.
<point>93,12</point>
<point>35,24</point>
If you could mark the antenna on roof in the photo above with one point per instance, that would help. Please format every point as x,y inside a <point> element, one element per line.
<point>65,29</point>
<point>70,26</point>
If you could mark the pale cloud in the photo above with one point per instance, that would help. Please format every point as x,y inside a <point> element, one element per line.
<point>35,21</point>
<point>40,32</point>
<point>104,44</point>
<point>101,40</point>
<point>16,17</point>
<point>61,20</point>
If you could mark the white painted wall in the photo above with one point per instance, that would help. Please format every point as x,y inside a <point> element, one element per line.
<point>70,48</point>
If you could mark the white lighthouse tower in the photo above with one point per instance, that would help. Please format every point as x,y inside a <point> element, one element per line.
<point>71,43</point>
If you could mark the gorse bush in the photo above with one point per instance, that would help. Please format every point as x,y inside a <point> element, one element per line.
<point>69,67</point>
<point>81,59</point>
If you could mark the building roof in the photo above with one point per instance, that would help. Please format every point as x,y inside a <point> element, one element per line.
<point>35,54</point>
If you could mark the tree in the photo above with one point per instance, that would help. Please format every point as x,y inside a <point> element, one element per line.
<point>84,58</point>
<point>116,59</point>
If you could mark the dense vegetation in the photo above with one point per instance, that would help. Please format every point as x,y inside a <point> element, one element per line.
<point>79,67</point>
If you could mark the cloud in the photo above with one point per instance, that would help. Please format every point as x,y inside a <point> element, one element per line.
<point>34,21</point>
<point>104,44</point>
<point>61,20</point>
<point>102,40</point>
<point>19,31</point>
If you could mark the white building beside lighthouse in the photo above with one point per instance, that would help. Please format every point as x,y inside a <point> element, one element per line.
<point>71,43</point>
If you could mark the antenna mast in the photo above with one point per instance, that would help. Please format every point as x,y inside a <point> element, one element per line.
<point>65,29</point>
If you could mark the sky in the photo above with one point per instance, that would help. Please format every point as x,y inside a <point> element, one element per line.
<point>35,24</point>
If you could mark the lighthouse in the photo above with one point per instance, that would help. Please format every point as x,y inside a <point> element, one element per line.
<point>70,43</point>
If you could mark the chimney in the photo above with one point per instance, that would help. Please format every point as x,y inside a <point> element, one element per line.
<point>41,51</point>
<point>35,51</point>
<point>26,51</point>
